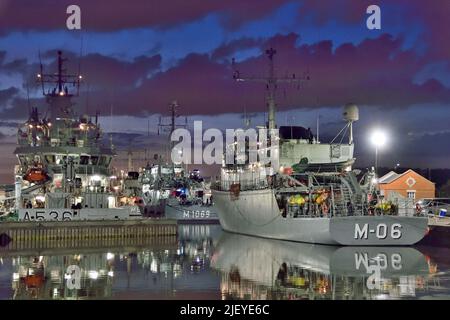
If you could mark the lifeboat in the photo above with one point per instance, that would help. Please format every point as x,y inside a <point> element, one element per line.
<point>36,175</point>
<point>34,281</point>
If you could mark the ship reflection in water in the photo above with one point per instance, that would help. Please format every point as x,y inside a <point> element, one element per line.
<point>169,268</point>
<point>255,268</point>
<point>204,262</point>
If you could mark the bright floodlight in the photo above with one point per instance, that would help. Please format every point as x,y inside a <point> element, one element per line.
<point>378,138</point>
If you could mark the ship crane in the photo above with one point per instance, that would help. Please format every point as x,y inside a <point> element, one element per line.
<point>271,81</point>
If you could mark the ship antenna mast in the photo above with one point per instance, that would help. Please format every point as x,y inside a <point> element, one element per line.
<point>271,82</point>
<point>79,65</point>
<point>28,99</point>
<point>41,73</point>
<point>60,79</point>
<point>172,125</point>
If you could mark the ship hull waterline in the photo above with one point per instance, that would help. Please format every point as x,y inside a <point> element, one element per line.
<point>256,213</point>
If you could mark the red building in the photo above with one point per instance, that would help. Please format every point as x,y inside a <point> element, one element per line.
<point>409,184</point>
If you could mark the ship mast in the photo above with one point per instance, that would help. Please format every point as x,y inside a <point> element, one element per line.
<point>172,125</point>
<point>59,97</point>
<point>271,82</point>
<point>60,79</point>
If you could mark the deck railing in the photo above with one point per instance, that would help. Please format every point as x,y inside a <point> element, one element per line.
<point>337,204</point>
<point>398,207</point>
<point>244,185</point>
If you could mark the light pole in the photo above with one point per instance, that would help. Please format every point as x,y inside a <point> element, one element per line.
<point>378,139</point>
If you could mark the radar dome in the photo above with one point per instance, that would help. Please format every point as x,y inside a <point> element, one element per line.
<point>351,112</point>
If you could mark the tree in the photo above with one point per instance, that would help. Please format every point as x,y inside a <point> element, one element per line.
<point>444,190</point>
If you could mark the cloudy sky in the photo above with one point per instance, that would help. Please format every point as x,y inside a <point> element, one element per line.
<point>137,56</point>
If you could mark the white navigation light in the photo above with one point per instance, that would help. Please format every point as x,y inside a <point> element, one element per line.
<point>40,198</point>
<point>96,178</point>
<point>378,138</point>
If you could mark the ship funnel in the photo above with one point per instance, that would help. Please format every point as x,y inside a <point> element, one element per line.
<point>351,112</point>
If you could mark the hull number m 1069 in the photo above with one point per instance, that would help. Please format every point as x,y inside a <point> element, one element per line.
<point>381,231</point>
<point>195,214</point>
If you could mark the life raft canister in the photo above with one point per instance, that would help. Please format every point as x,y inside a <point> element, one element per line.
<point>35,175</point>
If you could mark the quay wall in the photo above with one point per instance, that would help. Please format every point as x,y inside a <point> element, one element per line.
<point>38,236</point>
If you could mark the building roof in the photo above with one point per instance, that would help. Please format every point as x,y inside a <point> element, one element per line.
<point>392,176</point>
<point>389,177</point>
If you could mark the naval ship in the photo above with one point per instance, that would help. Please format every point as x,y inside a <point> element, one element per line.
<point>314,195</point>
<point>64,170</point>
<point>166,189</point>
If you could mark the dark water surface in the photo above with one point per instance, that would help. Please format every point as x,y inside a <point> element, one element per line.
<point>204,262</point>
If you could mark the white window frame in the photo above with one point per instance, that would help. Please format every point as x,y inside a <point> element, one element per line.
<point>411,191</point>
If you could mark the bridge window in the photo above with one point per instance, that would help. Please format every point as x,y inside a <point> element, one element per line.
<point>50,159</point>
<point>94,160</point>
<point>84,160</point>
<point>101,162</point>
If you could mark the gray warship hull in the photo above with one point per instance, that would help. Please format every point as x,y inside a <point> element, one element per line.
<point>256,213</point>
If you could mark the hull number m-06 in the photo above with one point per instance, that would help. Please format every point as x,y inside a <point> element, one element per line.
<point>381,231</point>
